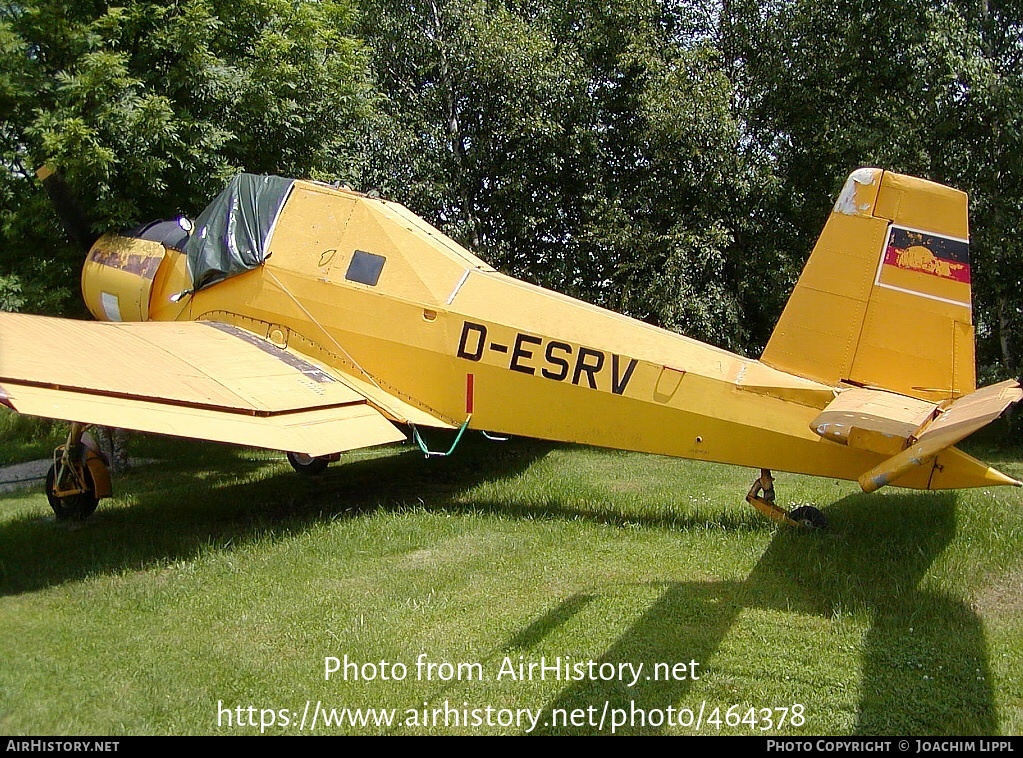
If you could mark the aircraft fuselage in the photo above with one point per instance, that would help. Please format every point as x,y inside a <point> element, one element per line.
<point>370,289</point>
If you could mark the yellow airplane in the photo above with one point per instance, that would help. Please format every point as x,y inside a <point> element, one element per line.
<point>297,316</point>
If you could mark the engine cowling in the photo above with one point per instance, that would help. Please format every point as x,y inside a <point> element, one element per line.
<point>117,278</point>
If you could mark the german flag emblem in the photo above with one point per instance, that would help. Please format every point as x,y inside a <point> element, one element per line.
<point>926,264</point>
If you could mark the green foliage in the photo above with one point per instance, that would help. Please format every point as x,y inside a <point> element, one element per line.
<point>148,107</point>
<point>674,161</point>
<point>475,100</point>
<point>931,89</point>
<point>586,147</point>
<point>26,438</point>
<point>11,298</point>
<point>981,47</point>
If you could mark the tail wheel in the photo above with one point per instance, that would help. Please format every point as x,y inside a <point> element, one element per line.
<point>808,516</point>
<point>73,507</point>
<point>308,465</point>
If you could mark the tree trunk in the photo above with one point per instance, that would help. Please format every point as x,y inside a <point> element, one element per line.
<point>1004,332</point>
<point>114,444</point>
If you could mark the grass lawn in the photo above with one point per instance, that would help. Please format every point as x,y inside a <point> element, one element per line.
<point>217,586</point>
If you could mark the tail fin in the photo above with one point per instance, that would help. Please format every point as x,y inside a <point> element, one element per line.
<point>884,300</point>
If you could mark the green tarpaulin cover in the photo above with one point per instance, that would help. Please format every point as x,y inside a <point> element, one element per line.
<point>230,236</point>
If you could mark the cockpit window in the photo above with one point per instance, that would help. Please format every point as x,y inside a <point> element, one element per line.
<point>365,268</point>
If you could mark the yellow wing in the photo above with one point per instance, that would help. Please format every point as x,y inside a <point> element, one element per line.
<point>196,379</point>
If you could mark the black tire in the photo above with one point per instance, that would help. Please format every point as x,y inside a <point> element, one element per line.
<point>76,507</point>
<point>810,517</point>
<point>307,464</point>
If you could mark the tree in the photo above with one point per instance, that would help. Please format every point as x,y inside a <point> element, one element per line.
<point>480,126</point>
<point>933,89</point>
<point>588,147</point>
<point>977,53</point>
<point>149,106</point>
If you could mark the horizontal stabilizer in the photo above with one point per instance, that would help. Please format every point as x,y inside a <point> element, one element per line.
<point>875,420</point>
<point>956,422</point>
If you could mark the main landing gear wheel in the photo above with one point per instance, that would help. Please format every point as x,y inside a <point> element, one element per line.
<point>761,496</point>
<point>72,507</point>
<point>308,465</point>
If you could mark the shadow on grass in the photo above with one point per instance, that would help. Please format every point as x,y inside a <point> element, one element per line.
<point>874,563</point>
<point>874,560</point>
<point>194,500</point>
<point>204,495</point>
